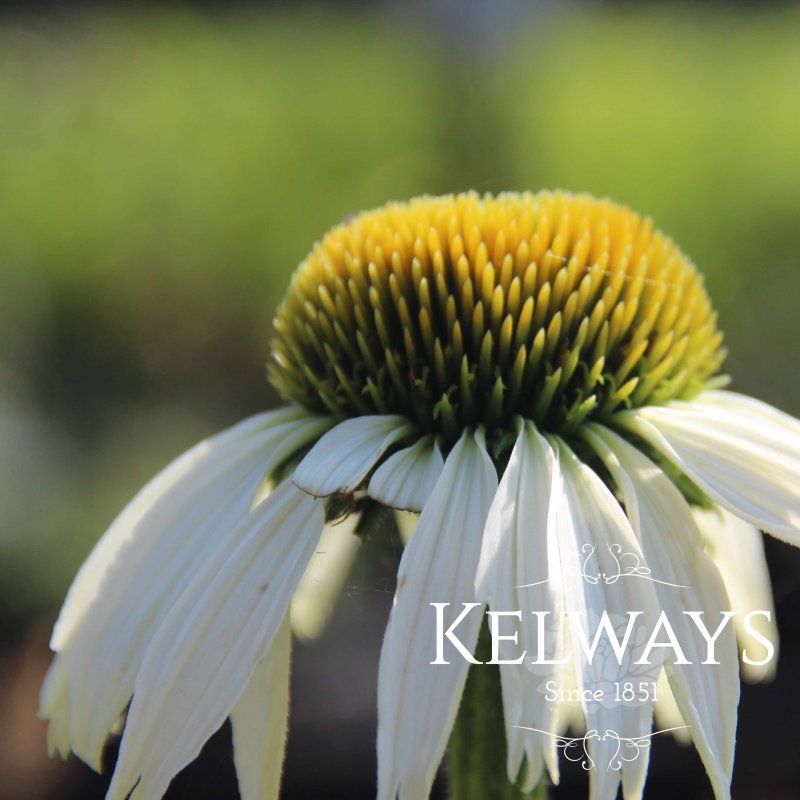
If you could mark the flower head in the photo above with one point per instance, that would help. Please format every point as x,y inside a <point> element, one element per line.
<point>466,310</point>
<point>536,377</point>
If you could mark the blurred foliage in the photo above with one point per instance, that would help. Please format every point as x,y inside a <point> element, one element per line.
<point>162,173</point>
<point>691,116</point>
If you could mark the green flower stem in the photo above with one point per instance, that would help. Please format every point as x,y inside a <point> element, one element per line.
<point>477,753</point>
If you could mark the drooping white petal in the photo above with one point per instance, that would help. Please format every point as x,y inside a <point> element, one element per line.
<point>325,576</point>
<point>406,479</point>
<point>147,558</point>
<point>200,659</point>
<point>259,721</point>
<point>743,454</point>
<point>406,524</point>
<point>54,705</point>
<point>596,546</point>
<point>569,715</point>
<point>706,694</point>
<point>781,430</point>
<point>666,713</point>
<point>737,549</point>
<point>177,477</point>
<point>417,700</point>
<point>519,556</point>
<point>343,457</point>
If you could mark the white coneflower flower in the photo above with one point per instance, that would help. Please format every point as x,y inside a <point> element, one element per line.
<point>535,375</point>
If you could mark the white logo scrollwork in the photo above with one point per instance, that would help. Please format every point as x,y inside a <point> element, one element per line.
<point>627,748</point>
<point>626,565</point>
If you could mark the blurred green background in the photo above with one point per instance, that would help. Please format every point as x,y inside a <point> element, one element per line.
<point>163,170</point>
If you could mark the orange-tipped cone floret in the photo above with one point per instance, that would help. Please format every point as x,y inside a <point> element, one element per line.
<point>469,309</point>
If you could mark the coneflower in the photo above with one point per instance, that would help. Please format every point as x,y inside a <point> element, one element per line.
<point>537,376</point>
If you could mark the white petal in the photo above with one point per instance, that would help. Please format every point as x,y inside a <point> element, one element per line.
<point>147,558</point>
<point>417,701</point>
<point>325,576</point>
<point>668,716</point>
<point>779,428</point>
<point>569,716</point>
<point>200,659</point>
<point>738,551</point>
<point>707,695</point>
<point>54,705</point>
<point>591,523</point>
<point>743,454</point>
<point>259,722</point>
<point>341,460</point>
<point>176,477</point>
<point>406,524</point>
<point>518,557</point>
<point>406,479</point>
